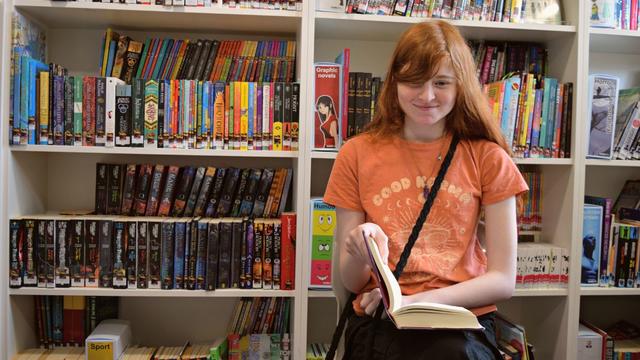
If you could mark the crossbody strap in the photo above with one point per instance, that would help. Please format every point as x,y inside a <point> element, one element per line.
<point>404,257</point>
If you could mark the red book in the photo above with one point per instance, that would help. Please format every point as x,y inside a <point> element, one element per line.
<point>147,59</point>
<point>288,251</point>
<point>327,105</point>
<point>88,113</point>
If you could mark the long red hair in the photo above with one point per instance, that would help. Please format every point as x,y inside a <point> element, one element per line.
<point>418,54</point>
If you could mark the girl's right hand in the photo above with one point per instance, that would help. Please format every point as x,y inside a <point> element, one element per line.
<point>357,248</point>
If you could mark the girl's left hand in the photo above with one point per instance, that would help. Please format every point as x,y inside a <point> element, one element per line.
<point>370,301</point>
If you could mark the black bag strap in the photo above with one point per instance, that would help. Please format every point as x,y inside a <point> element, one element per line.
<point>404,257</point>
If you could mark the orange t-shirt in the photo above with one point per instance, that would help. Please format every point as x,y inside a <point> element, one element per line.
<point>385,180</point>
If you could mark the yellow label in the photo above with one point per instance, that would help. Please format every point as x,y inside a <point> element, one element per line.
<point>100,351</point>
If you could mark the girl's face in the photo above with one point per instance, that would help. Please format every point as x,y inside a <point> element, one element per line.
<point>323,109</point>
<point>425,104</point>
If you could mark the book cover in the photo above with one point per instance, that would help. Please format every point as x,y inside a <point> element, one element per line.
<point>591,243</point>
<point>323,226</point>
<point>131,233</point>
<point>603,95</point>
<point>119,277</point>
<point>213,234</point>
<point>92,261</point>
<point>142,256</point>
<point>123,115</point>
<point>77,253</point>
<point>105,244</point>
<point>115,183</point>
<point>154,232</point>
<point>327,93</point>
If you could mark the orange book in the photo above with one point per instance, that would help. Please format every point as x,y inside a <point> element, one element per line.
<point>222,53</point>
<point>288,251</point>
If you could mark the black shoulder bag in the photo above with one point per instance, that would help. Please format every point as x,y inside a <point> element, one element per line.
<point>348,307</point>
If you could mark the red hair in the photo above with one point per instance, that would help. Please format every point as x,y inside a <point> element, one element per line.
<point>417,57</point>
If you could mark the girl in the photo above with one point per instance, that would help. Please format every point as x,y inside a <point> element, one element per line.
<point>328,121</point>
<point>379,183</point>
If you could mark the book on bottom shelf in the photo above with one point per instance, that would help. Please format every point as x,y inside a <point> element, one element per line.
<point>421,315</point>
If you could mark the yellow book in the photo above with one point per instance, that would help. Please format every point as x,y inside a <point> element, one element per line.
<point>278,134</point>
<point>44,107</point>
<point>530,96</point>
<point>181,53</point>
<point>218,115</point>
<point>244,115</point>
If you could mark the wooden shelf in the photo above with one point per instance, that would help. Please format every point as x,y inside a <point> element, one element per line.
<point>389,28</point>
<point>616,163</point>
<point>225,293</point>
<point>151,151</point>
<point>91,15</point>
<point>608,291</point>
<point>321,294</point>
<point>614,41</point>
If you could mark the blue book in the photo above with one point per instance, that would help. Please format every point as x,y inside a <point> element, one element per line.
<point>179,255</point>
<point>18,52</point>
<point>201,259</point>
<point>168,114</point>
<point>24,99</point>
<point>251,114</point>
<point>112,52</point>
<point>510,108</point>
<point>162,59</point>
<point>35,67</point>
<point>591,243</point>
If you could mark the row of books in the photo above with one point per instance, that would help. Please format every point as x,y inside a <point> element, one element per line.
<point>614,14</point>
<point>621,340</point>
<point>148,190</point>
<point>534,115</point>
<point>511,339</point>
<point>121,252</point>
<point>201,59</point>
<point>67,320</point>
<point>290,5</point>
<point>494,60</point>
<point>516,11</point>
<point>530,216</point>
<point>259,329</point>
<point>542,266</point>
<point>611,259</point>
<point>50,109</point>
<point>331,125</point>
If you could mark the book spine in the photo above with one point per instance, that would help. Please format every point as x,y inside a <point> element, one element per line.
<point>142,256</point>
<point>138,117</point>
<point>201,258</point>
<point>216,191</point>
<point>142,189</point>
<point>126,276</point>
<point>212,254</point>
<point>224,259</point>
<point>257,253</point>
<point>41,248</point>
<point>155,231</point>
<point>249,246</point>
<point>102,176</point>
<point>129,187</point>
<point>179,255</point>
<point>68,111</point>
<point>92,262</point>
<point>167,259</point>
<point>16,239</point>
<point>123,115</point>
<point>236,253</point>
<point>119,255</point>
<point>77,255</point>
<point>288,253</point>
<point>106,253</point>
<point>101,88</point>
<point>154,190</point>
<point>114,188</point>
<point>57,111</point>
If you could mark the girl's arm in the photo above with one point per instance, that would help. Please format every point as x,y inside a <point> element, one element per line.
<point>354,259</point>
<point>498,283</point>
<point>333,129</point>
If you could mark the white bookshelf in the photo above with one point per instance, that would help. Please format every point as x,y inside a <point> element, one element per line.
<point>36,179</point>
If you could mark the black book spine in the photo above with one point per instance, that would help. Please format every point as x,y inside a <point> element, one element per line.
<point>192,230</point>
<point>211,60</point>
<point>154,232</point>
<point>249,195</point>
<point>205,189</point>
<point>142,190</point>
<point>178,254</point>
<point>63,229</point>
<point>263,192</point>
<point>228,190</point>
<point>29,273</point>
<point>204,57</point>
<point>77,256</point>
<point>137,122</point>
<point>92,246</point>
<point>182,192</point>
<point>236,253</point>
<point>106,253</point>
<point>193,62</point>
<point>119,255</point>
<point>295,116</point>
<point>258,245</point>
<point>213,232</point>
<point>218,183</point>
<point>16,231</point>
<point>128,190</point>
<point>102,176</point>
<point>195,190</point>
<point>240,191</point>
<point>201,260</point>
<point>154,191</point>
<point>224,259</point>
<point>249,245</point>
<point>41,245</point>
<point>169,188</point>
<point>131,253</point>
<point>167,259</point>
<point>114,189</point>
<point>142,256</point>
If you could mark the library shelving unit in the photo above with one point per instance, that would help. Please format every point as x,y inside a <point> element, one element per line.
<point>615,52</point>
<point>550,316</point>
<point>40,179</point>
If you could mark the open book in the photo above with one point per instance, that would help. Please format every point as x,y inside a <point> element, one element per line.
<point>417,315</point>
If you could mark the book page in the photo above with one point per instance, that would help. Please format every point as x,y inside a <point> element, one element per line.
<point>391,293</point>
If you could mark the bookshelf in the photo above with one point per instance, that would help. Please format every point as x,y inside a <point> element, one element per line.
<point>615,52</point>
<point>36,179</point>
